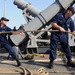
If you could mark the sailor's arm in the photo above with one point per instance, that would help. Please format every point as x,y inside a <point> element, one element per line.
<point>55,25</point>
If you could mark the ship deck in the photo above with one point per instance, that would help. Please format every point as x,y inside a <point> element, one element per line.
<point>8,66</point>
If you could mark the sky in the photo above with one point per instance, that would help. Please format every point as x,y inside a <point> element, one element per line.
<point>15,15</point>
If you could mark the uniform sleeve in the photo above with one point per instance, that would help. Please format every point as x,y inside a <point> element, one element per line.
<point>55,19</point>
<point>72,26</point>
<point>8,29</point>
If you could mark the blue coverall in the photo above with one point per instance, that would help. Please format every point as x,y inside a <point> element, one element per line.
<point>5,42</point>
<point>61,37</point>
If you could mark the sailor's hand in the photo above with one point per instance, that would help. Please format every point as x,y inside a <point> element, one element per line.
<point>73,33</point>
<point>62,29</point>
<point>22,33</point>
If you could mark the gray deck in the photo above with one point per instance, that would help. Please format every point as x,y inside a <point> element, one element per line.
<point>60,67</point>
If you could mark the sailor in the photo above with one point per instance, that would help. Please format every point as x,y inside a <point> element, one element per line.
<point>62,22</point>
<point>4,41</point>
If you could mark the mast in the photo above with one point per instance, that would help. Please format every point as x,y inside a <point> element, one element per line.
<point>4,8</point>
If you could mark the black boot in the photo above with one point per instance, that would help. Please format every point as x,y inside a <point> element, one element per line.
<point>18,62</point>
<point>70,63</point>
<point>50,64</point>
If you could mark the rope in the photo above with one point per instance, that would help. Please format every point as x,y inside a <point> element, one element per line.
<point>7,32</point>
<point>25,71</point>
<point>34,54</point>
<point>62,72</point>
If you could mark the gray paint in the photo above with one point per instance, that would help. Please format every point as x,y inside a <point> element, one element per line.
<point>21,4</point>
<point>42,18</point>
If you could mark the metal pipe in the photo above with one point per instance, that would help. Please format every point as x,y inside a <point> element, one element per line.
<point>21,4</point>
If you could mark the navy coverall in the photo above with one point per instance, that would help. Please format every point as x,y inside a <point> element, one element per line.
<point>61,37</point>
<point>4,41</point>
